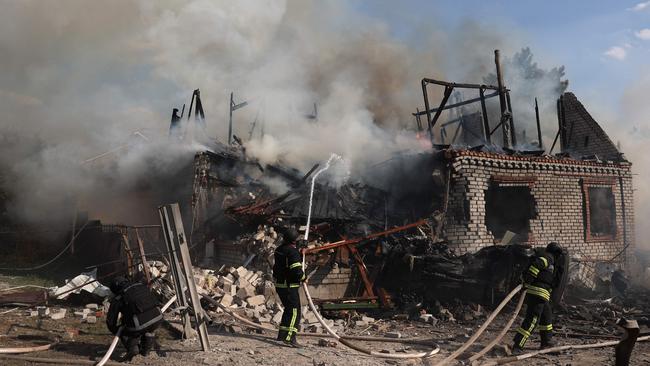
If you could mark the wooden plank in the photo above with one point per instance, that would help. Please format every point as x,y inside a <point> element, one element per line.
<point>179,282</point>
<point>181,242</point>
<point>143,258</point>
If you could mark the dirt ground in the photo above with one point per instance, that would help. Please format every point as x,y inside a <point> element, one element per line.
<point>80,341</point>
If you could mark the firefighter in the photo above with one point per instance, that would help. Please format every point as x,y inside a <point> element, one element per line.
<point>140,316</point>
<point>540,278</point>
<point>288,274</point>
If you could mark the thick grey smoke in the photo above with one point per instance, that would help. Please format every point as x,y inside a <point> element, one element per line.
<point>80,78</point>
<point>632,130</point>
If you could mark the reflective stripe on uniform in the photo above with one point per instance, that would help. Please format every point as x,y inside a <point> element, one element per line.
<point>526,332</point>
<point>294,285</point>
<point>538,291</point>
<point>533,270</point>
<point>292,328</point>
<point>545,261</point>
<point>545,328</point>
<point>295,265</point>
<point>523,332</point>
<point>281,285</point>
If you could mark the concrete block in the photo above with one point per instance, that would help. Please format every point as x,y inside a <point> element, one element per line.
<point>368,319</point>
<point>277,318</point>
<point>261,309</point>
<point>310,318</point>
<point>240,272</point>
<point>360,323</point>
<point>91,319</point>
<point>223,280</point>
<point>256,300</point>
<point>92,306</point>
<point>245,292</point>
<point>242,282</point>
<point>58,315</point>
<point>226,300</point>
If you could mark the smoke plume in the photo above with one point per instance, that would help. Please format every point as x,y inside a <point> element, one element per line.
<point>83,78</point>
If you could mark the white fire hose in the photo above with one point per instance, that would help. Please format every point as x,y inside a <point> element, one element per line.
<point>317,313</point>
<point>386,355</point>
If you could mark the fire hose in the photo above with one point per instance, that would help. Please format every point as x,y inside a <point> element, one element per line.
<point>484,326</point>
<point>503,332</point>
<point>251,324</point>
<point>359,348</point>
<point>311,302</point>
<point>449,358</point>
<point>15,350</point>
<point>504,360</point>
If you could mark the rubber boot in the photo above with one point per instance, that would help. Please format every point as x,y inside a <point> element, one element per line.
<point>293,342</point>
<point>132,348</point>
<point>147,343</point>
<point>547,339</point>
<point>282,335</point>
<point>516,350</point>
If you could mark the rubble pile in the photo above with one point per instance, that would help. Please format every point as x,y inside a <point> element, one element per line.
<point>89,314</point>
<point>260,246</point>
<point>252,294</point>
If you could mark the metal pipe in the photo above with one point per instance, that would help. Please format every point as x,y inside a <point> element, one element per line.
<point>539,128</point>
<point>426,108</point>
<point>502,97</point>
<point>232,103</point>
<point>509,359</point>
<point>458,104</point>
<point>513,133</point>
<point>459,85</point>
<point>486,122</point>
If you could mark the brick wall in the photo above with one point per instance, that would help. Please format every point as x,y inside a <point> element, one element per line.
<point>557,188</point>
<point>331,283</point>
<point>229,254</point>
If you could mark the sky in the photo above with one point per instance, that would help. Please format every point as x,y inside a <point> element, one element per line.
<point>604,45</point>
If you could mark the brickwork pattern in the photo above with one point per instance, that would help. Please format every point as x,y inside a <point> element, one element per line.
<point>558,192</point>
<point>583,135</point>
<point>331,283</point>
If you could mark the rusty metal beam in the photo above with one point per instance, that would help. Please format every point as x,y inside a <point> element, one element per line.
<point>365,238</point>
<point>459,104</point>
<point>486,121</point>
<point>459,85</point>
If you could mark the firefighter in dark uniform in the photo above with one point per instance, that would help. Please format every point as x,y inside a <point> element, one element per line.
<point>140,316</point>
<point>288,274</point>
<point>540,278</point>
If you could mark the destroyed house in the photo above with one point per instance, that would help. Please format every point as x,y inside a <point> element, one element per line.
<point>471,196</point>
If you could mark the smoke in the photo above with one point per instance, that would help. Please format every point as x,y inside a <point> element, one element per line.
<point>527,81</point>
<point>79,78</point>
<point>631,128</point>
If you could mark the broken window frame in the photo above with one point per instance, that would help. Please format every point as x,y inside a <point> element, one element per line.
<point>508,181</point>
<point>587,183</point>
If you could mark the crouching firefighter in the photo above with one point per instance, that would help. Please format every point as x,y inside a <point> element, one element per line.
<point>140,316</point>
<point>540,278</point>
<point>288,274</point>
